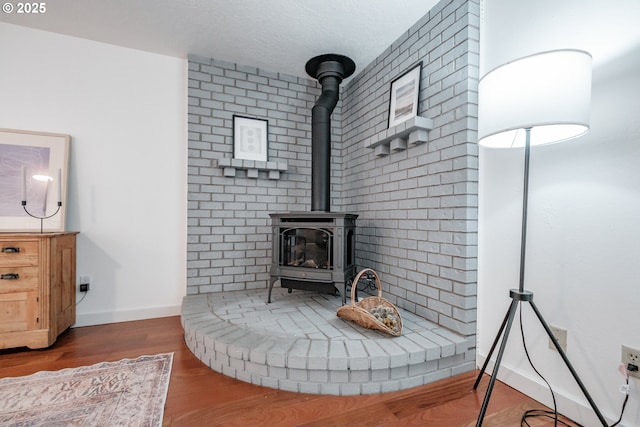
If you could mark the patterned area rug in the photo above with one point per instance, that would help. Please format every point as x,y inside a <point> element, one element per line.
<point>131,392</point>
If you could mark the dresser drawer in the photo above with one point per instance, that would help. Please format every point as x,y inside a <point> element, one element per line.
<point>16,253</point>
<point>14,279</point>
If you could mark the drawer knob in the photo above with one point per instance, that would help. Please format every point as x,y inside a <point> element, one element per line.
<point>10,250</point>
<point>10,276</point>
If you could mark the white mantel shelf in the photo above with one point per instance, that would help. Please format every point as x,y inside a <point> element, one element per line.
<point>253,167</point>
<point>411,132</point>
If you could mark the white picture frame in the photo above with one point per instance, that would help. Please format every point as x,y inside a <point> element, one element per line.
<point>250,138</point>
<point>403,101</point>
<point>33,168</point>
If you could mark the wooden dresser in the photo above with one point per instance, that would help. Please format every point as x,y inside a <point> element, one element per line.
<point>37,288</point>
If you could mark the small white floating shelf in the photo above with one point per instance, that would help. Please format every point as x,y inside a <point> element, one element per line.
<point>252,167</point>
<point>411,132</point>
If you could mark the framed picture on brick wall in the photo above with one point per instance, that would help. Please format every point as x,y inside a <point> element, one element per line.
<point>403,102</point>
<point>250,138</point>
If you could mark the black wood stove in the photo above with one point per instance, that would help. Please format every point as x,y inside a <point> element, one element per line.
<point>316,250</point>
<point>313,251</point>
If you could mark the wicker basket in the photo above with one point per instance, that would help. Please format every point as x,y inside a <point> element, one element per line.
<point>359,311</point>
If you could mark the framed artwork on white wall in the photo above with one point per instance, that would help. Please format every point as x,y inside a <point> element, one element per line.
<point>250,138</point>
<point>33,181</point>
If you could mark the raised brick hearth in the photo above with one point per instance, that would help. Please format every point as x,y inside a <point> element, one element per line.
<point>297,343</point>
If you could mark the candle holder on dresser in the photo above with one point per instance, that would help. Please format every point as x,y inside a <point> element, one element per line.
<point>41,218</point>
<point>24,196</point>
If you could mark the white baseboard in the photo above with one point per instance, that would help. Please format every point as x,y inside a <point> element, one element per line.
<point>579,411</point>
<point>101,318</point>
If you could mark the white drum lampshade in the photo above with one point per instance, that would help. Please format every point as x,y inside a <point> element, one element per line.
<point>548,92</point>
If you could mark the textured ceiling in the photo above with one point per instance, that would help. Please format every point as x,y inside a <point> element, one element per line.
<point>275,35</point>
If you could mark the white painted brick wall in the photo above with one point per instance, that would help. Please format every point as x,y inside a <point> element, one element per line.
<point>228,221</point>
<point>417,224</point>
<point>418,208</point>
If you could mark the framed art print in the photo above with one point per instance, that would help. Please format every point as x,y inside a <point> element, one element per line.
<point>33,178</point>
<point>403,103</point>
<point>250,138</point>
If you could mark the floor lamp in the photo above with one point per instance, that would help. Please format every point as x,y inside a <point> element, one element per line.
<point>540,99</point>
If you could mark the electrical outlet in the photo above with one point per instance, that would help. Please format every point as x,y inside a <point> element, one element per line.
<point>631,356</point>
<point>561,337</point>
<point>85,283</point>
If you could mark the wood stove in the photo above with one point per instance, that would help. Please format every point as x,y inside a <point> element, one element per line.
<point>316,250</point>
<point>313,251</point>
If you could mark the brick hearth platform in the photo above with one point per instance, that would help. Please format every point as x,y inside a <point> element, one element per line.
<point>297,343</point>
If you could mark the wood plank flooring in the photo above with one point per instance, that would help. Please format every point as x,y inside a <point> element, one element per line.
<point>200,397</point>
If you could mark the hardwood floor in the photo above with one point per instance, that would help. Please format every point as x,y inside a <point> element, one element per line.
<point>199,396</point>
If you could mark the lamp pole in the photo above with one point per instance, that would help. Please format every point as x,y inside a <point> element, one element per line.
<point>521,295</point>
<point>525,203</point>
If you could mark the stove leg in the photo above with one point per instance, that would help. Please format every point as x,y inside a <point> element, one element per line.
<point>273,280</point>
<point>342,290</point>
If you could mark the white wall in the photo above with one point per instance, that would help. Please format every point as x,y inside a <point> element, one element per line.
<point>584,212</point>
<point>126,113</point>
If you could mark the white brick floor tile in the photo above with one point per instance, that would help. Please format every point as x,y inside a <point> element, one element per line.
<point>319,376</point>
<point>350,389</point>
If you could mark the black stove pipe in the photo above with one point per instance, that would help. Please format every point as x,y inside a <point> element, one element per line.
<point>321,144</point>
<point>329,70</point>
